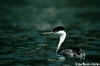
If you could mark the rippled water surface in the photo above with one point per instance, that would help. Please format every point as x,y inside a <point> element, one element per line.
<point>22,24</point>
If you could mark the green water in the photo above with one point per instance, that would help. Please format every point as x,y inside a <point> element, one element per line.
<point>23,22</point>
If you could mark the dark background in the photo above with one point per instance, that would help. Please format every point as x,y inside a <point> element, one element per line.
<point>23,21</point>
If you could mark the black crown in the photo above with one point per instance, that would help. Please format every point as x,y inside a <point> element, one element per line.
<point>58,28</point>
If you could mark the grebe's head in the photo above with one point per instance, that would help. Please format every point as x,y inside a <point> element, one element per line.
<point>59,30</point>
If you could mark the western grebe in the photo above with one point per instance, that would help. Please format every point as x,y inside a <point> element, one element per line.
<point>68,51</point>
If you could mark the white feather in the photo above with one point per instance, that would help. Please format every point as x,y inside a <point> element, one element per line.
<point>62,38</point>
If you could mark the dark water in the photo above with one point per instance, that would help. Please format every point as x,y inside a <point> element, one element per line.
<point>23,22</point>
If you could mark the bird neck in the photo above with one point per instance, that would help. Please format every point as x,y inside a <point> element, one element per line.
<point>61,40</point>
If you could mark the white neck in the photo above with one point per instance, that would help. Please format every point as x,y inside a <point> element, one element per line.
<point>62,38</point>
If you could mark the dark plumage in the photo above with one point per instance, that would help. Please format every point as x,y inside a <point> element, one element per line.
<point>58,28</point>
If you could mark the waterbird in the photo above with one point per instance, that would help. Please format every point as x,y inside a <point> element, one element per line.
<point>67,50</point>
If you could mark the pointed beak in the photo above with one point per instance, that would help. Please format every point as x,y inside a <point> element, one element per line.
<point>47,33</point>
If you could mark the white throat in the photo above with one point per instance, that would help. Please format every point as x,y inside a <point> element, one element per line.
<point>62,38</point>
